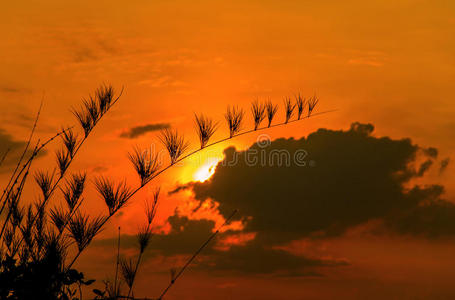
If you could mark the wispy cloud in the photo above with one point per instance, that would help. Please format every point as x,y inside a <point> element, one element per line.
<point>137,131</point>
<point>13,89</point>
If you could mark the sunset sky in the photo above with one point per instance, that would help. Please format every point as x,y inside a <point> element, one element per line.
<point>373,217</point>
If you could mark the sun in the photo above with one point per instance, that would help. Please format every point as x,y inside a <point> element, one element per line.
<point>205,171</point>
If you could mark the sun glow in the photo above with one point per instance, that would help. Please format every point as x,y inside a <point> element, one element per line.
<point>206,171</point>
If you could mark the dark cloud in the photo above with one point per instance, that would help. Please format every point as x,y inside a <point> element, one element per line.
<point>444,164</point>
<point>432,152</point>
<point>425,166</point>
<point>259,257</point>
<point>13,150</point>
<point>433,217</point>
<point>136,131</point>
<point>255,257</point>
<point>86,48</point>
<point>351,177</point>
<point>99,169</point>
<point>13,89</point>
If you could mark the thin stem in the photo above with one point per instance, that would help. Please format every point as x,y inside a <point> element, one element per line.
<point>25,150</point>
<point>4,156</point>
<point>17,197</point>
<point>138,262</point>
<point>118,262</point>
<point>189,261</point>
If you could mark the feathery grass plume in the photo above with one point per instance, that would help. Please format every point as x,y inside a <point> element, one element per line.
<point>58,217</point>
<point>312,104</point>
<point>83,229</point>
<point>73,189</point>
<point>271,110</point>
<point>17,214</point>
<point>39,234</point>
<point>234,118</point>
<point>14,244</point>
<point>40,222</point>
<point>145,164</point>
<point>115,194</point>
<point>289,109</point>
<point>300,102</point>
<point>85,120</point>
<point>63,160</point>
<point>24,254</point>
<point>151,206</point>
<point>113,291</point>
<point>94,108</point>
<point>143,238</point>
<point>44,181</point>
<point>8,236</point>
<point>26,230</point>
<point>175,144</point>
<point>91,106</point>
<point>127,267</point>
<point>104,95</point>
<point>54,251</point>
<point>205,128</point>
<point>258,112</point>
<point>70,141</point>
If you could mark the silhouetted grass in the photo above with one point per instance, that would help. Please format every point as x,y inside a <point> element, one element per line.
<point>234,118</point>
<point>205,128</point>
<point>289,109</point>
<point>300,102</point>
<point>258,112</point>
<point>174,143</point>
<point>33,234</point>
<point>271,112</point>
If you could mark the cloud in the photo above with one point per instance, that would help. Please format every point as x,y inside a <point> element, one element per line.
<point>350,177</point>
<point>137,131</point>
<point>13,89</point>
<point>443,165</point>
<point>13,150</point>
<point>253,257</point>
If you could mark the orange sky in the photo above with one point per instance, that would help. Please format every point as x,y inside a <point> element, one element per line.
<point>390,63</point>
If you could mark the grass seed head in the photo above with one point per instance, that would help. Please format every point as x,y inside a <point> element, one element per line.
<point>174,143</point>
<point>258,112</point>
<point>289,109</point>
<point>205,128</point>
<point>234,117</point>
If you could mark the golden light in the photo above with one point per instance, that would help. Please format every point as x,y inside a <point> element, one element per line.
<point>206,170</point>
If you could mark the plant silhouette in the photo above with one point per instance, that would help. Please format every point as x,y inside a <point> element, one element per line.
<point>35,238</point>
